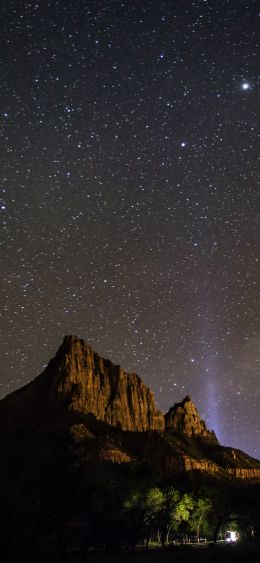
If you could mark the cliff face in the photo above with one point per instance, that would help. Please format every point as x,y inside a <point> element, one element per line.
<point>90,384</point>
<point>186,463</point>
<point>183,417</point>
<point>78,379</point>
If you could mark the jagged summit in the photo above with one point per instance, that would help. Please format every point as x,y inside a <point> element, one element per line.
<point>184,417</point>
<point>77,383</point>
<point>95,385</point>
<point>77,379</point>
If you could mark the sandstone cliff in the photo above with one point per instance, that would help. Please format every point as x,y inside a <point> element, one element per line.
<point>79,380</point>
<point>183,417</point>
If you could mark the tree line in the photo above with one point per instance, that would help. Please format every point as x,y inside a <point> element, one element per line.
<point>126,508</point>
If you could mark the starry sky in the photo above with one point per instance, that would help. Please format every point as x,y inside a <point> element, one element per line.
<point>130,196</point>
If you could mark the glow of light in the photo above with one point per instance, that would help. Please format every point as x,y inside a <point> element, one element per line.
<point>245,86</point>
<point>232,537</point>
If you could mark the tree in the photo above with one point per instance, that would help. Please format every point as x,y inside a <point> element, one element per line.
<point>222,510</point>
<point>175,509</point>
<point>153,501</point>
<point>202,507</point>
<point>142,511</point>
<point>134,513</point>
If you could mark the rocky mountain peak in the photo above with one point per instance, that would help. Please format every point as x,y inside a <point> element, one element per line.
<point>77,379</point>
<point>91,384</point>
<point>184,417</point>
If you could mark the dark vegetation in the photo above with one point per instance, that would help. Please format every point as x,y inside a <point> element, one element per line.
<point>57,496</point>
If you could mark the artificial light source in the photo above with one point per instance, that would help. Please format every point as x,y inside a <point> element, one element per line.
<point>231,536</point>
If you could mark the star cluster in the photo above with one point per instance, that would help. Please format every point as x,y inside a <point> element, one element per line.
<point>130,196</point>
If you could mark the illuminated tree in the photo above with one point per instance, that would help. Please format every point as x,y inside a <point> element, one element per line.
<point>202,507</point>
<point>175,510</point>
<point>142,510</point>
<point>153,506</point>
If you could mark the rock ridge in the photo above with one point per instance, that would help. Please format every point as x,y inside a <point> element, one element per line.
<point>183,417</point>
<point>77,379</point>
<point>98,401</point>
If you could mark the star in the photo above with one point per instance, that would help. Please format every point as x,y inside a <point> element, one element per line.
<point>128,197</point>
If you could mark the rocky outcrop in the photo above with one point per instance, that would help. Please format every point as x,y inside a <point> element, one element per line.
<point>114,454</point>
<point>94,402</point>
<point>183,417</point>
<point>243,473</point>
<point>186,463</point>
<point>79,380</point>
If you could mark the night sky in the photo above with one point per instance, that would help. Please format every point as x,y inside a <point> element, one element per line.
<point>130,196</point>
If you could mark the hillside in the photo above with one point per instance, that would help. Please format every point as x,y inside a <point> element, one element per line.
<point>84,436</point>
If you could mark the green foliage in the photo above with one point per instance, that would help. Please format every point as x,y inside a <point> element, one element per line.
<point>120,504</point>
<point>175,509</point>
<point>199,517</point>
<point>143,509</point>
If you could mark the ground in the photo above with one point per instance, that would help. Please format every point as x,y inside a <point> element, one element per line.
<point>237,553</point>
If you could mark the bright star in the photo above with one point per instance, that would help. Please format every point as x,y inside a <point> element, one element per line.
<point>245,86</point>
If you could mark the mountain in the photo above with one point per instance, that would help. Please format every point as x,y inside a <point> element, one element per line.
<point>113,415</point>
<point>85,437</point>
<point>183,417</point>
<point>79,380</point>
